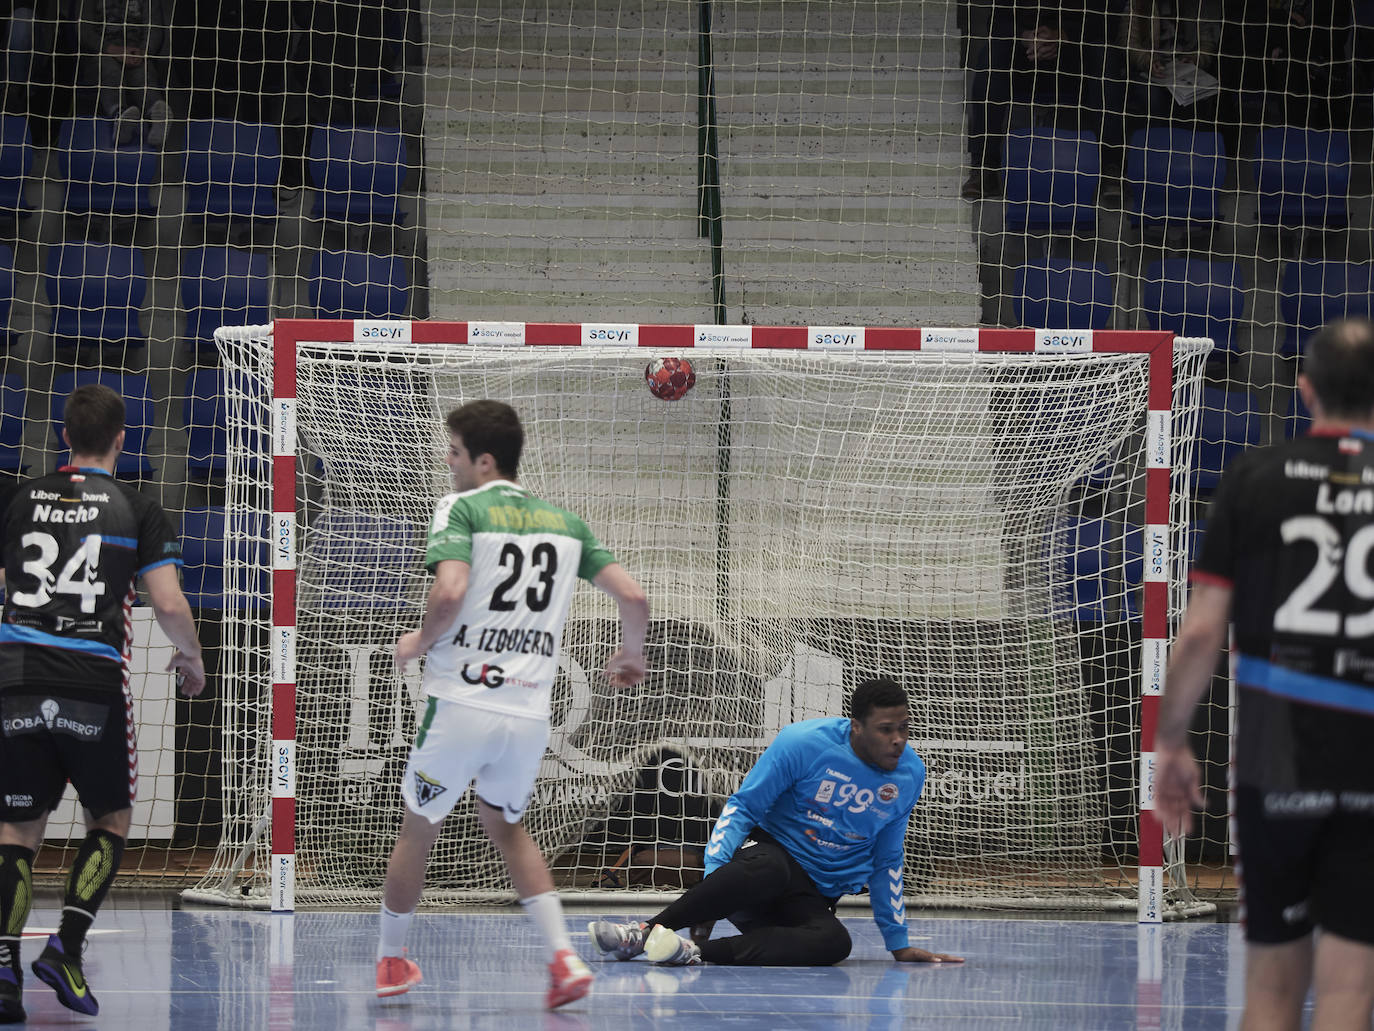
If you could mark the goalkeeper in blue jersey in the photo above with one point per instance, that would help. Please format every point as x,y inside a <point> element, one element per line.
<point>822,814</point>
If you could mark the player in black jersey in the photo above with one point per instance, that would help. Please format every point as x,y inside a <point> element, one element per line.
<point>74,544</point>
<point>1289,557</point>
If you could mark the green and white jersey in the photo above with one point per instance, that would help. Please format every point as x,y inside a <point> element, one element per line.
<point>501,652</point>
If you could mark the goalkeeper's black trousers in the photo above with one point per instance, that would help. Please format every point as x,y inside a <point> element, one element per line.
<point>784,920</point>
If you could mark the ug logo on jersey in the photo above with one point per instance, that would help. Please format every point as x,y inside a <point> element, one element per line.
<point>488,675</point>
<point>888,792</point>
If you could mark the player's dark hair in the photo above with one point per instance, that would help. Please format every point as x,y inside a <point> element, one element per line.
<point>1339,363</point>
<point>93,417</point>
<point>878,693</point>
<point>490,428</point>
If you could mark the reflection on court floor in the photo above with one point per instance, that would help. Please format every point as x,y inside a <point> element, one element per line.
<point>158,969</point>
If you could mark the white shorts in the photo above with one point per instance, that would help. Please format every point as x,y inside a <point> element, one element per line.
<point>459,745</point>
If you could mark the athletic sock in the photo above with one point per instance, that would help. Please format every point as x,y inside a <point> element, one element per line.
<point>16,898</point>
<point>547,913</point>
<point>97,862</point>
<point>392,931</point>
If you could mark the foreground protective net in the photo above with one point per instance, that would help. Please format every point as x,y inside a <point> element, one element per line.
<point>970,522</point>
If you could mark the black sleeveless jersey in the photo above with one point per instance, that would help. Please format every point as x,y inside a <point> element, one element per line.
<point>74,544</point>
<point>1291,529</point>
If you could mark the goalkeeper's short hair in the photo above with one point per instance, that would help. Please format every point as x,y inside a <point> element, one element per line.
<point>877,693</point>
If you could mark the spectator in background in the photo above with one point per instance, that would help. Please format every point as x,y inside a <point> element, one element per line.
<point>18,49</point>
<point>117,39</point>
<point>1310,78</point>
<point>29,30</point>
<point>346,58</point>
<point>39,64</point>
<point>1173,48</point>
<point>232,58</point>
<point>1056,56</point>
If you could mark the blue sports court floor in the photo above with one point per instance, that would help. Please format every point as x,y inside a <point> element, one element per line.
<point>159,968</point>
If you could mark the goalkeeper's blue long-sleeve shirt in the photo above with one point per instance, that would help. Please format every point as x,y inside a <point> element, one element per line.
<point>843,820</point>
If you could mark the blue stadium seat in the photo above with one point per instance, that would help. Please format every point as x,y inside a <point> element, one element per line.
<point>1050,178</point>
<point>102,179</point>
<point>96,291</point>
<point>138,413</point>
<point>358,560</point>
<point>1230,424</point>
<point>357,285</point>
<point>205,414</point>
<point>16,161</point>
<point>223,286</point>
<point>1175,175</point>
<point>1303,176</point>
<point>1062,294</point>
<point>1197,533</point>
<point>1297,420</point>
<point>6,292</point>
<point>232,169</point>
<point>357,173</point>
<point>1196,298</point>
<point>11,422</point>
<point>1313,293</point>
<point>205,541</point>
<point>1102,562</point>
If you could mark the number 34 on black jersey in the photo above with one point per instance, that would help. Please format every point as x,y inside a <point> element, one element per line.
<point>74,544</point>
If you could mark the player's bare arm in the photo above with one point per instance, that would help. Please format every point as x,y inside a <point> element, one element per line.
<point>1200,639</point>
<point>173,613</point>
<point>625,668</point>
<point>445,601</point>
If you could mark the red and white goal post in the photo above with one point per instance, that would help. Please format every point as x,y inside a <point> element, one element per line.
<point>997,518</point>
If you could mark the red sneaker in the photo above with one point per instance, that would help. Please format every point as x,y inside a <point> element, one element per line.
<point>569,979</point>
<point>395,975</point>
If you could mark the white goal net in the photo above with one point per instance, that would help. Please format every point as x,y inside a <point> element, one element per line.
<point>968,522</point>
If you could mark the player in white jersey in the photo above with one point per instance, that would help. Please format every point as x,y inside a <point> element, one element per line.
<point>505,565</point>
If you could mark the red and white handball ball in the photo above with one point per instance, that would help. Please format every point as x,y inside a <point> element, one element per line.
<point>670,378</point>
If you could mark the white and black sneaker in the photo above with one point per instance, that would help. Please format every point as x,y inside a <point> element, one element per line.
<point>623,941</point>
<point>126,125</point>
<point>664,947</point>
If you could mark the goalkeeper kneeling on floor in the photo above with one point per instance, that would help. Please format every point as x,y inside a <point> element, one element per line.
<point>822,814</point>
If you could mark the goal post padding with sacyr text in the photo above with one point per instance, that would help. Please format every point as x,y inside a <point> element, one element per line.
<point>994,517</point>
